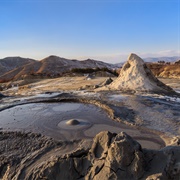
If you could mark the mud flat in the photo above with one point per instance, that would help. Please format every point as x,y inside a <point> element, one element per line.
<point>77,134</point>
<point>174,83</point>
<point>50,119</point>
<point>108,156</point>
<point>42,147</point>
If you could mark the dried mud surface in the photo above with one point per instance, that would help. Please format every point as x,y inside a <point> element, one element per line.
<point>46,151</point>
<point>108,156</point>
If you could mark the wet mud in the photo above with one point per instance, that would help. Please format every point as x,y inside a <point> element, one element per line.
<point>36,140</point>
<point>48,116</point>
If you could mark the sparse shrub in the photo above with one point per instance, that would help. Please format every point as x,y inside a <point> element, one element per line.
<point>92,70</point>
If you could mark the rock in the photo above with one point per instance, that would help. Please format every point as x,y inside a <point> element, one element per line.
<point>175,141</point>
<point>101,144</point>
<point>107,82</point>
<point>136,76</point>
<point>116,156</point>
<point>122,152</point>
<point>95,86</point>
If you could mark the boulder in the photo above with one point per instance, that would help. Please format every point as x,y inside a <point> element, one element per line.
<point>115,157</point>
<point>107,82</point>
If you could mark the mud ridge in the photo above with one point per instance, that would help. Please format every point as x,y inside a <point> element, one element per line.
<point>108,156</point>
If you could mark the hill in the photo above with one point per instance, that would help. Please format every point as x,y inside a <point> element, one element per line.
<point>9,63</point>
<point>18,68</point>
<point>52,66</point>
<point>166,59</point>
<point>165,70</point>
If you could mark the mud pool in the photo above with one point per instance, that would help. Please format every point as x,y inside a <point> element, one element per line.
<point>50,119</point>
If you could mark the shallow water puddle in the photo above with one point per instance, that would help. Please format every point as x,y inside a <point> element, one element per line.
<point>50,119</point>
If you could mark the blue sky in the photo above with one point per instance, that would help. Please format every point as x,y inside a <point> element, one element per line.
<point>101,29</point>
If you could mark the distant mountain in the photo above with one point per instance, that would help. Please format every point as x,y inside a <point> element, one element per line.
<point>178,61</point>
<point>16,68</point>
<point>166,59</point>
<point>165,70</point>
<point>119,65</point>
<point>153,59</point>
<point>52,66</point>
<point>10,63</point>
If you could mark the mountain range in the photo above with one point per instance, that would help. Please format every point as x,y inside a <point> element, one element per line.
<point>15,68</point>
<point>53,66</point>
<point>166,59</point>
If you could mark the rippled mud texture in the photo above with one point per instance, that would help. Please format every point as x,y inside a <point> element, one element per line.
<point>21,153</point>
<point>42,157</point>
<point>108,156</point>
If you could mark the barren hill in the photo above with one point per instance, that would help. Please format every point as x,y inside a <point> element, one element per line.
<point>15,68</point>
<point>52,66</point>
<point>165,58</point>
<point>9,63</point>
<point>165,70</point>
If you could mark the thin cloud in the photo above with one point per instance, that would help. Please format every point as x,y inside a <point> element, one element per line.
<point>122,57</point>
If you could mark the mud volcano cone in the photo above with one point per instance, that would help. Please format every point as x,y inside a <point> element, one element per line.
<point>136,76</point>
<point>72,122</point>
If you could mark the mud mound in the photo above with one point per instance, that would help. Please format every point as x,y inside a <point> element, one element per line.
<point>110,156</point>
<point>136,76</point>
<point>74,124</point>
